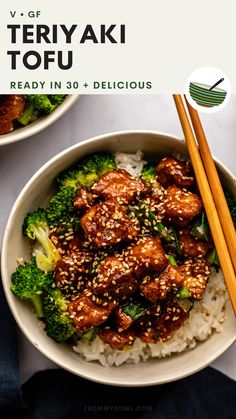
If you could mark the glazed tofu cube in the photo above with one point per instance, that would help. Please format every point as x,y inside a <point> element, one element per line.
<point>65,238</point>
<point>72,271</point>
<point>83,199</point>
<point>118,184</point>
<point>191,246</point>
<point>155,288</point>
<point>117,340</point>
<point>107,223</point>
<point>11,108</point>
<point>181,206</point>
<point>171,171</point>
<point>146,255</point>
<point>122,320</point>
<point>171,319</point>
<point>160,326</point>
<point>114,279</point>
<point>196,273</point>
<point>87,311</point>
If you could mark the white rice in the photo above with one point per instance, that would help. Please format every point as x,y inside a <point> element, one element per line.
<point>133,163</point>
<point>205,318</point>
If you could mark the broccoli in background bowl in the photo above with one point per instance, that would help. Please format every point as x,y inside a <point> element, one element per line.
<point>18,110</point>
<point>22,116</point>
<point>37,105</point>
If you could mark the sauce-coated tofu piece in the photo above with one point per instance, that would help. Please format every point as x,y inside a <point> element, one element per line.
<point>107,223</point>
<point>117,340</point>
<point>196,274</point>
<point>11,107</point>
<point>160,327</point>
<point>171,171</point>
<point>72,271</point>
<point>122,320</point>
<point>87,311</point>
<point>118,184</point>
<point>156,190</point>
<point>181,206</point>
<point>146,255</point>
<point>155,288</point>
<point>65,238</point>
<point>83,199</point>
<point>114,278</point>
<point>191,246</point>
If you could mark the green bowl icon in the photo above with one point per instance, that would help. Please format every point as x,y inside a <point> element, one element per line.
<point>203,96</point>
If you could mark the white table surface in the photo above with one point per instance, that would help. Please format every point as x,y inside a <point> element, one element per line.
<point>91,116</point>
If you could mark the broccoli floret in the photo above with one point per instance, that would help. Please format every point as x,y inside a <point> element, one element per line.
<point>77,178</point>
<point>58,323</point>
<point>149,172</point>
<point>45,103</point>
<point>29,283</point>
<point>232,205</point>
<point>38,104</point>
<point>56,99</point>
<point>28,115</point>
<point>41,103</point>
<point>98,163</point>
<point>87,171</point>
<point>60,208</point>
<point>35,227</point>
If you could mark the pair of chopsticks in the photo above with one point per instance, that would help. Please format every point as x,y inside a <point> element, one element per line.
<point>217,211</point>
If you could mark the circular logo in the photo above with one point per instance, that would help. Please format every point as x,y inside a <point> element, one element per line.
<point>208,89</point>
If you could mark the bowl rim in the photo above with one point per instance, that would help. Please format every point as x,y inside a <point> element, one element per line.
<point>40,124</point>
<point>220,350</point>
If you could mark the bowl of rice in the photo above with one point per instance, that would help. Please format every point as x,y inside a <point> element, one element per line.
<point>208,332</point>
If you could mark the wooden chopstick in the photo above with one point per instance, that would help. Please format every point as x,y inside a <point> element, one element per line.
<point>215,185</point>
<point>208,201</point>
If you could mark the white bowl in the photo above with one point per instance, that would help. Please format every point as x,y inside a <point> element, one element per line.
<point>36,193</point>
<point>40,124</point>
